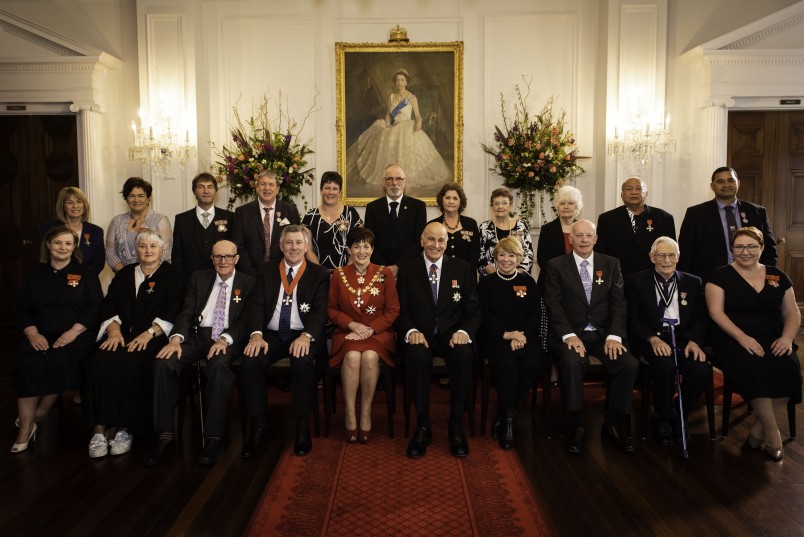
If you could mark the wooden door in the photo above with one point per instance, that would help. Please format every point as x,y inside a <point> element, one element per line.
<point>767,150</point>
<point>38,157</point>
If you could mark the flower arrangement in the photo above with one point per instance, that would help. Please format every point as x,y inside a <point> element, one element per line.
<point>258,144</point>
<point>533,154</point>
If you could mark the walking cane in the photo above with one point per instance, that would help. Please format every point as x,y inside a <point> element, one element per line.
<point>672,322</point>
<point>198,319</point>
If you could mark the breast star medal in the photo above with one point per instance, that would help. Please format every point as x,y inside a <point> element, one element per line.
<point>304,307</point>
<point>599,274</point>
<point>374,291</point>
<point>456,297</point>
<point>371,310</point>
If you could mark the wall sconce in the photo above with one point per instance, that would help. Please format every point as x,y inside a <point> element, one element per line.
<point>156,144</point>
<point>642,140</point>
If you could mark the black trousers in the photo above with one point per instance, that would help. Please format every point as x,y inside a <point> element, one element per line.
<point>303,375</point>
<point>220,381</point>
<point>515,372</point>
<point>419,366</point>
<point>622,373</point>
<point>663,373</point>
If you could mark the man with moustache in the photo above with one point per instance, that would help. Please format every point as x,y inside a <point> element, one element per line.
<point>628,231</point>
<point>259,223</point>
<point>286,316</point>
<point>439,316</point>
<point>707,227</point>
<point>586,309</point>
<point>664,292</point>
<point>214,306</point>
<point>397,221</point>
<point>196,230</point>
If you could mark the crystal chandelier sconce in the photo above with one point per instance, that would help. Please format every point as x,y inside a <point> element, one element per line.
<point>157,144</point>
<point>643,140</point>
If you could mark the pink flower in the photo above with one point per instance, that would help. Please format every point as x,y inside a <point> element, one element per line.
<point>241,157</point>
<point>552,169</point>
<point>541,155</point>
<point>538,146</point>
<point>531,174</point>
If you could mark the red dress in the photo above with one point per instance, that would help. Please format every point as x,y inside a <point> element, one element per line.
<point>376,307</point>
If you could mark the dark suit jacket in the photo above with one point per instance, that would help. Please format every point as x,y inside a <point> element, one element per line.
<point>249,235</point>
<point>458,307</point>
<point>195,300</point>
<point>567,309</point>
<point>312,290</point>
<point>643,310</point>
<point>615,236</point>
<point>192,244</point>
<point>703,243</point>
<point>393,244</point>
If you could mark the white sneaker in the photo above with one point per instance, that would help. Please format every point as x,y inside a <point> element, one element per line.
<point>98,446</point>
<point>121,443</point>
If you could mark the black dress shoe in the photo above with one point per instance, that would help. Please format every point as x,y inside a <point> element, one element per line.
<point>506,430</point>
<point>422,438</point>
<point>495,426</point>
<point>253,442</point>
<point>159,452</point>
<point>458,446</point>
<point>212,452</point>
<point>303,444</point>
<point>575,445</point>
<point>662,431</point>
<point>620,441</point>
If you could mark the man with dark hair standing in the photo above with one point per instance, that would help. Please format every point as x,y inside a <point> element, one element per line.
<point>707,227</point>
<point>628,231</point>
<point>196,230</point>
<point>397,221</point>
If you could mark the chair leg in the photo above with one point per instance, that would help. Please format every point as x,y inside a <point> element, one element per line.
<point>329,400</point>
<point>727,391</point>
<point>791,418</point>
<point>470,400</point>
<point>390,397</point>
<point>547,392</point>
<point>316,420</point>
<point>406,402</point>
<point>484,398</point>
<point>710,403</point>
<point>646,393</point>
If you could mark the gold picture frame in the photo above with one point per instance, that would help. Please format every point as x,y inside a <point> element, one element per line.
<point>429,147</point>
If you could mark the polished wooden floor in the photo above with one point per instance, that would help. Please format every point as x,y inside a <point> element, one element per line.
<point>723,489</point>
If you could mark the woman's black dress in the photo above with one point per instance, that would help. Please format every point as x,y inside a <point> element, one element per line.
<point>329,240</point>
<point>465,242</point>
<point>759,315</point>
<point>53,301</point>
<point>122,381</point>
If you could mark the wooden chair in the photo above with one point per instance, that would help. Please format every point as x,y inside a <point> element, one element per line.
<point>389,385</point>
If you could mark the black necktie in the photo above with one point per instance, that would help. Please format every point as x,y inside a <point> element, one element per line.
<point>284,311</point>
<point>394,205</point>
<point>731,221</point>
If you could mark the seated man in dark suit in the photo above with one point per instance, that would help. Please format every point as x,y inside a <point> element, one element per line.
<point>587,312</point>
<point>286,316</point>
<point>439,316</point>
<point>396,220</point>
<point>214,304</point>
<point>628,231</point>
<point>259,223</point>
<point>707,227</point>
<point>664,292</point>
<point>196,230</point>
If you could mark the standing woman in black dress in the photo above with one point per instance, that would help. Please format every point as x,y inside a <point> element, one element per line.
<point>136,318</point>
<point>56,311</point>
<point>330,223</point>
<point>510,303</point>
<point>463,235</point>
<point>756,317</point>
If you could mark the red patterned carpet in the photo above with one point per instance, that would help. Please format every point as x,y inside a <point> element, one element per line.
<point>375,489</point>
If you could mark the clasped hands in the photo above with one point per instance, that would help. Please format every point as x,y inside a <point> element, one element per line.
<point>517,338</point>
<point>359,331</point>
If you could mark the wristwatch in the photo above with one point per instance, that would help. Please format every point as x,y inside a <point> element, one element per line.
<point>308,335</point>
<point>152,332</point>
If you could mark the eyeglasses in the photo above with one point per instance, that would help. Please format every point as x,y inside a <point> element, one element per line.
<point>394,179</point>
<point>672,256</point>
<point>219,258</point>
<point>743,247</point>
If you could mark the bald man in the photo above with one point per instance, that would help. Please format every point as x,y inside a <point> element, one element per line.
<point>214,303</point>
<point>439,316</point>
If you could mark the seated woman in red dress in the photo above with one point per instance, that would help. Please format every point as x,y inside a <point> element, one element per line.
<point>363,306</point>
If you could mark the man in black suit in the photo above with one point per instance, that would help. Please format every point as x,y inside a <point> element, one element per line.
<point>628,231</point>
<point>196,230</point>
<point>707,227</point>
<point>396,220</point>
<point>664,292</point>
<point>442,327</point>
<point>586,309</point>
<point>286,317</point>
<point>262,219</point>
<point>214,304</point>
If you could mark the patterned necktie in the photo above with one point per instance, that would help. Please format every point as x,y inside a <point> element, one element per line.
<point>394,205</point>
<point>284,311</point>
<point>266,224</point>
<point>434,282</point>
<point>219,315</point>
<point>586,279</point>
<point>731,221</point>
<point>205,215</point>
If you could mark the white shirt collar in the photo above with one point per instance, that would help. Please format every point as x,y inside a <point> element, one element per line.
<point>229,282</point>
<point>199,212</point>
<point>388,201</point>
<point>438,263</point>
<point>294,267</point>
<point>263,206</point>
<point>579,259</point>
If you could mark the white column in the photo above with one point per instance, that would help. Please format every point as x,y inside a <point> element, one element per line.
<point>89,158</point>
